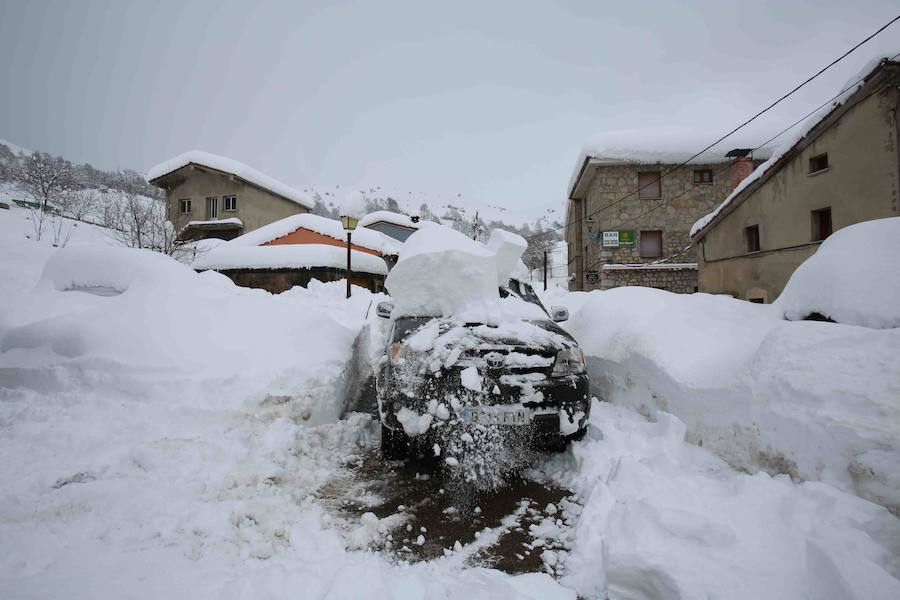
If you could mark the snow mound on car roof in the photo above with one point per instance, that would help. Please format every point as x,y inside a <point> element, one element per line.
<point>440,271</point>
<point>508,248</point>
<point>853,278</point>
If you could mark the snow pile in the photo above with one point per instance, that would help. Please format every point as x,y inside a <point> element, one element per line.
<point>853,278</point>
<point>508,248</point>
<point>846,91</point>
<point>442,272</point>
<point>818,401</point>
<point>288,256</point>
<point>115,270</point>
<point>232,167</point>
<point>368,238</point>
<point>664,519</point>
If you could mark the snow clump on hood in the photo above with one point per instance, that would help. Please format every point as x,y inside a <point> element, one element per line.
<point>441,272</point>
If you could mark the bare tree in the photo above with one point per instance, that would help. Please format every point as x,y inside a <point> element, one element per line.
<point>43,177</point>
<point>537,245</point>
<point>138,221</point>
<point>79,203</point>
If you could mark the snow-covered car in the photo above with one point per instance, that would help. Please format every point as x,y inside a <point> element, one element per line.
<point>438,373</point>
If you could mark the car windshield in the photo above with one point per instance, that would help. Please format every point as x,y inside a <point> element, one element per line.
<point>522,290</point>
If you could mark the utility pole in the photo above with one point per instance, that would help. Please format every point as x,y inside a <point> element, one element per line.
<point>545,270</point>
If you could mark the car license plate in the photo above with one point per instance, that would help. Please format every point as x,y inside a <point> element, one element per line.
<point>494,415</point>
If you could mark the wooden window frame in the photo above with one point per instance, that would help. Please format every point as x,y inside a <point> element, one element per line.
<point>818,164</point>
<point>751,238</point>
<point>643,189</point>
<point>184,203</point>
<point>225,200</point>
<point>641,243</point>
<point>698,177</point>
<point>821,224</point>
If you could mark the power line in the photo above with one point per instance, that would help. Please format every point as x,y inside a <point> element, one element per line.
<point>776,136</point>
<point>735,130</point>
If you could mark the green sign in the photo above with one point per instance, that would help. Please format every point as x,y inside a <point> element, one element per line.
<point>618,239</point>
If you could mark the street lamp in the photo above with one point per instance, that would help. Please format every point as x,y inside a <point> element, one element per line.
<point>354,207</point>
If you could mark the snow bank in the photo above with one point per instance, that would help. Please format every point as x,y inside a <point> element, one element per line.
<point>233,167</point>
<point>508,248</point>
<point>442,272</point>
<point>170,440</point>
<point>101,267</point>
<point>853,278</point>
<point>816,400</point>
<point>289,256</point>
<point>664,519</point>
<point>368,238</point>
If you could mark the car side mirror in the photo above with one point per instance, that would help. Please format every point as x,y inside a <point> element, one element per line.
<point>384,309</point>
<point>559,313</point>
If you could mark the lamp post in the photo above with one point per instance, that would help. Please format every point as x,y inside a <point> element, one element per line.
<point>349,222</point>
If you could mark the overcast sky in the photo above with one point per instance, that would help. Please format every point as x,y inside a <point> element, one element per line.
<point>492,100</point>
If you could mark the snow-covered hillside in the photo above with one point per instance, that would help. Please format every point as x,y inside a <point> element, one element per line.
<point>444,204</point>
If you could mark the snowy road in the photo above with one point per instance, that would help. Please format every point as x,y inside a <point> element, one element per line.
<point>497,528</point>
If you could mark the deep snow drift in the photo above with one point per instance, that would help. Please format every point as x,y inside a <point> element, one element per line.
<point>853,278</point>
<point>820,401</point>
<point>164,434</point>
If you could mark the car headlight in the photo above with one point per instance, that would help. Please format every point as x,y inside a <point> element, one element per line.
<point>568,362</point>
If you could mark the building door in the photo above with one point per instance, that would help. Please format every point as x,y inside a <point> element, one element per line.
<point>212,208</point>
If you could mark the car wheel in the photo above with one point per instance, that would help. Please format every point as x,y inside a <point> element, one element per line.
<point>578,435</point>
<point>394,444</point>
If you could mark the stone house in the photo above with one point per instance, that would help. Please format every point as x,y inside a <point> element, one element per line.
<point>629,215</point>
<point>843,167</point>
<point>211,196</point>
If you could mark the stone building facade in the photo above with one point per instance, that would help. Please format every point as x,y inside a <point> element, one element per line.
<point>844,170</point>
<point>624,215</point>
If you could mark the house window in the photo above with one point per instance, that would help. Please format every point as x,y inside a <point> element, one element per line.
<point>229,203</point>
<point>651,244</point>
<point>703,176</point>
<point>184,206</point>
<point>821,224</point>
<point>819,163</point>
<point>648,185</point>
<point>751,236</point>
<point>212,208</point>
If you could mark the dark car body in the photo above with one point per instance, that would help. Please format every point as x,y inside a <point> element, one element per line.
<point>521,382</point>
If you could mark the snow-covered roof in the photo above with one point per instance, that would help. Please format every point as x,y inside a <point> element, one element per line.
<point>387,216</point>
<point>228,221</point>
<point>367,238</point>
<point>778,157</point>
<point>288,256</point>
<point>232,167</point>
<point>665,146</point>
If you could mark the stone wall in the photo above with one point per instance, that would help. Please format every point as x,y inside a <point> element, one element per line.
<point>679,281</point>
<point>280,280</point>
<point>612,203</point>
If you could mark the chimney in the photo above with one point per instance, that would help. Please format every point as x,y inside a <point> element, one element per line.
<point>741,164</point>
